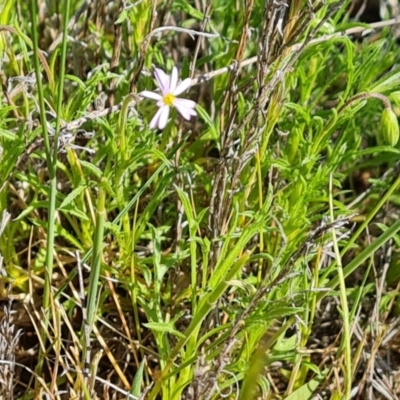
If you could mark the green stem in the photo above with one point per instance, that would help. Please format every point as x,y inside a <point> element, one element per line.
<point>51,160</point>
<point>39,84</point>
<point>123,167</point>
<point>346,342</point>
<point>122,123</point>
<point>96,256</point>
<point>92,293</point>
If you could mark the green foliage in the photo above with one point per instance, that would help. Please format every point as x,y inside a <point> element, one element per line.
<point>206,252</point>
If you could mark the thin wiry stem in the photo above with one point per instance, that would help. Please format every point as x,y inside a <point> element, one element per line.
<point>192,33</point>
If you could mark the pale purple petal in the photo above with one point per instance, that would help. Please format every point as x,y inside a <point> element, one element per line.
<point>183,109</point>
<point>185,103</point>
<point>156,119</point>
<point>185,84</point>
<point>174,80</point>
<point>186,113</point>
<point>150,95</point>
<point>163,117</point>
<point>162,80</point>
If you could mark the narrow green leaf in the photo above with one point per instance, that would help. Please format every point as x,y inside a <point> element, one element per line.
<point>164,328</point>
<point>7,134</point>
<point>387,83</point>
<point>71,209</point>
<point>306,391</point>
<point>76,192</point>
<point>184,6</point>
<point>136,389</point>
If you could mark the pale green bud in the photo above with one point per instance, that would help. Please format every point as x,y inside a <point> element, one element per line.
<point>390,127</point>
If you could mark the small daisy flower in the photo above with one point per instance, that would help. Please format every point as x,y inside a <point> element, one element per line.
<point>169,90</point>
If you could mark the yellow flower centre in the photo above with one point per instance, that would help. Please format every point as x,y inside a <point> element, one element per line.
<point>168,99</point>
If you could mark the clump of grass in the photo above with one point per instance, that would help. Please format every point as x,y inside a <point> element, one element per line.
<point>247,253</point>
